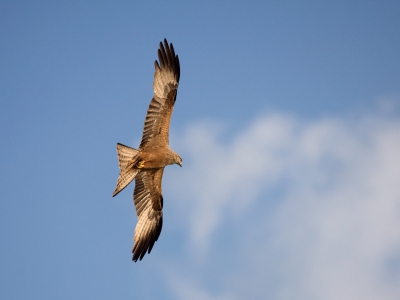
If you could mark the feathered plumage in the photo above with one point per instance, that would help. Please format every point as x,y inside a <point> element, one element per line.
<point>146,165</point>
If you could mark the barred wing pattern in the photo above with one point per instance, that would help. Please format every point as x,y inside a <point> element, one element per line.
<point>165,85</point>
<point>148,202</point>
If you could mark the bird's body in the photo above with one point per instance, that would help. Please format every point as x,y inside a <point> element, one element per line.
<point>156,157</point>
<point>146,165</point>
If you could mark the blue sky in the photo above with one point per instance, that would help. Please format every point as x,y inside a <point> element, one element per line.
<point>287,120</point>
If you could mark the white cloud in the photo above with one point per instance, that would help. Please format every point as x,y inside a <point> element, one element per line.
<point>313,208</point>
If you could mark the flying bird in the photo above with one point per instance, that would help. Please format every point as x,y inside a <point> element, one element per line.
<point>146,164</point>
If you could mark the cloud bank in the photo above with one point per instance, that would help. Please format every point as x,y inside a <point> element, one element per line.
<point>288,209</point>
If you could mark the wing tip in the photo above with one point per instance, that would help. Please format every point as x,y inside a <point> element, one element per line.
<point>168,59</point>
<point>145,244</point>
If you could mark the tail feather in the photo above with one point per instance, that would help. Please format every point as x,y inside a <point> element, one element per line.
<point>125,155</point>
<point>126,175</point>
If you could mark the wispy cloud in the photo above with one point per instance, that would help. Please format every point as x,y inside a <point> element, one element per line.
<point>300,209</point>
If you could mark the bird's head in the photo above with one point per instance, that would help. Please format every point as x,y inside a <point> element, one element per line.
<point>178,160</point>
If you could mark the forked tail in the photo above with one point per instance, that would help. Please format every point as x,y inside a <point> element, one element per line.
<point>126,173</point>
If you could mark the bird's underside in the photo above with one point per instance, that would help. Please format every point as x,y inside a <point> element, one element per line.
<point>146,164</point>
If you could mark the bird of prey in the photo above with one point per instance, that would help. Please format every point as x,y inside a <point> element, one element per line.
<point>146,164</point>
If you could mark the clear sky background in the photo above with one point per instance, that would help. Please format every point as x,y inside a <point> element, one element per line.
<point>287,120</point>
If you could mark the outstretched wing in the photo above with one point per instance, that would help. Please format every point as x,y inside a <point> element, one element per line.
<point>166,80</point>
<point>148,202</point>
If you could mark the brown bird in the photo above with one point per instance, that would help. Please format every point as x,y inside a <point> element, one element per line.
<point>146,164</point>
